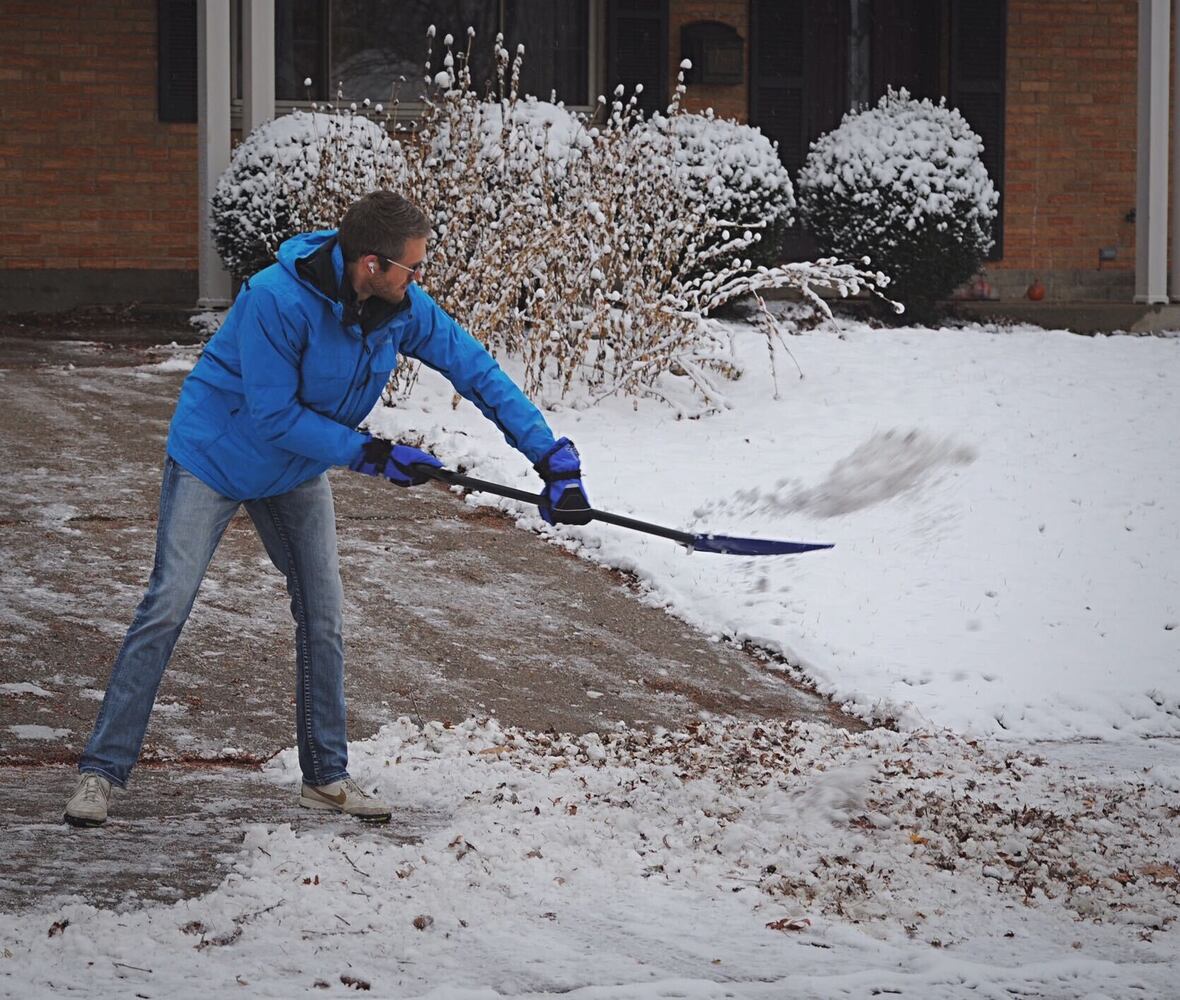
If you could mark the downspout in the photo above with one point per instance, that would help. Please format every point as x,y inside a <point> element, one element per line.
<point>1151,203</point>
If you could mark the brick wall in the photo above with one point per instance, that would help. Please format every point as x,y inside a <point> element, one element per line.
<point>1071,135</point>
<point>729,100</point>
<point>88,177</point>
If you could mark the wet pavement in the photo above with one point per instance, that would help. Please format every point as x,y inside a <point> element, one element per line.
<point>451,612</point>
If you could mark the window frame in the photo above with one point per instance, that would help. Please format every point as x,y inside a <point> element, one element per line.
<point>410,110</point>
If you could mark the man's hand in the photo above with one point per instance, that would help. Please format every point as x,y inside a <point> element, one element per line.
<point>379,457</point>
<point>564,499</point>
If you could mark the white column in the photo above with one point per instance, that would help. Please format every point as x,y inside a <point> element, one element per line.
<point>1151,205</point>
<point>258,63</point>
<point>213,285</point>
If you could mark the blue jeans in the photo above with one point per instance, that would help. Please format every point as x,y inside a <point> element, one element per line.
<point>299,532</point>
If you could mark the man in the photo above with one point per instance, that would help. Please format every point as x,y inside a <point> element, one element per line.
<point>274,402</point>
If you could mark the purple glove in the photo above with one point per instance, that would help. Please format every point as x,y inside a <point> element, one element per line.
<point>379,457</point>
<point>564,499</point>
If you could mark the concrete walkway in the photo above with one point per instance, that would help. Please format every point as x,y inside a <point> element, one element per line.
<point>452,612</point>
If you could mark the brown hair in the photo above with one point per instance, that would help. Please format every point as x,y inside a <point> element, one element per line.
<point>380,223</point>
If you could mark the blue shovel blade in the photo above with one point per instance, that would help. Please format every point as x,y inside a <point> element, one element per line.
<point>753,546</point>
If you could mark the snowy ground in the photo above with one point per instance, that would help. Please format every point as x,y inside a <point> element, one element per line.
<point>1003,505</point>
<point>729,860</point>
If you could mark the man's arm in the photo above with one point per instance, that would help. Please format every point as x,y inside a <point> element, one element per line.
<point>270,353</point>
<point>441,343</point>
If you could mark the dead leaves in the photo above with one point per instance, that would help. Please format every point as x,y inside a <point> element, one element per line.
<point>220,941</point>
<point>1160,873</point>
<point>790,924</point>
<point>460,848</point>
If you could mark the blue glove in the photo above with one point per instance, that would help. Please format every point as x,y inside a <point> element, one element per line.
<point>564,499</point>
<point>379,457</point>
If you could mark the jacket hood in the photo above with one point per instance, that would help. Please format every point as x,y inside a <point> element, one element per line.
<point>316,260</point>
<point>327,274</point>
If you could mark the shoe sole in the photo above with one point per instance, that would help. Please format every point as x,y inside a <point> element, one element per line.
<point>328,807</point>
<point>83,821</point>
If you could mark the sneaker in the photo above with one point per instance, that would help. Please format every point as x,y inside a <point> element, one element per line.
<point>345,796</point>
<point>88,804</point>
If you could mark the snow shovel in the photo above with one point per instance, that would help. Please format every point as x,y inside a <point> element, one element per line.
<point>694,543</point>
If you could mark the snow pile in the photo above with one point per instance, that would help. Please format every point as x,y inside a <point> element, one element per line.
<point>737,172</point>
<point>730,859</point>
<point>904,184</point>
<point>1003,505</point>
<point>17,688</point>
<point>293,174</point>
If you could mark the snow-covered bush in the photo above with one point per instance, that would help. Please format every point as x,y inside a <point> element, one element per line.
<point>295,174</point>
<point>737,171</point>
<point>903,184</point>
<point>574,242</point>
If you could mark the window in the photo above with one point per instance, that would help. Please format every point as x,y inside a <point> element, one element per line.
<point>369,48</point>
<point>301,50</point>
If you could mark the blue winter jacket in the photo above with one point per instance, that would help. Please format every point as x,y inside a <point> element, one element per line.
<point>278,392</point>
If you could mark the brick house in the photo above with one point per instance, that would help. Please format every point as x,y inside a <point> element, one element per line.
<point>106,162</point>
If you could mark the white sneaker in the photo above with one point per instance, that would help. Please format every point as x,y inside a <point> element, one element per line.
<point>88,804</point>
<point>345,796</point>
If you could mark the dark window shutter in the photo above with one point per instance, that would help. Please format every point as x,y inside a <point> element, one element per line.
<point>906,46</point>
<point>177,81</point>
<point>776,76</point>
<point>825,56</point>
<point>978,52</point>
<point>637,50</point>
<point>798,72</point>
<point>798,83</point>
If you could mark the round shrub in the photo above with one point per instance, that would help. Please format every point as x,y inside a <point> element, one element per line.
<point>903,184</point>
<point>737,172</point>
<point>296,174</point>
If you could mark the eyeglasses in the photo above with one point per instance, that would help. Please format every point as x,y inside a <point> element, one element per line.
<point>414,269</point>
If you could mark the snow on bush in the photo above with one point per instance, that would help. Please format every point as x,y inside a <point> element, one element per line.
<point>903,184</point>
<point>737,171</point>
<point>590,247</point>
<point>575,244</point>
<point>296,174</point>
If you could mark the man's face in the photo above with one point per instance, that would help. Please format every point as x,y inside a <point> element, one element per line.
<point>391,284</point>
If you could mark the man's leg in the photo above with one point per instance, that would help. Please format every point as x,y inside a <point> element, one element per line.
<point>192,520</point>
<point>299,532</point>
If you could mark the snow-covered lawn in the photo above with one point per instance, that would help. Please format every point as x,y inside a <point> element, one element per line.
<point>1004,508</point>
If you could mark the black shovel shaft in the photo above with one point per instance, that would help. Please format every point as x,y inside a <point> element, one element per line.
<point>726,544</point>
<point>483,486</point>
